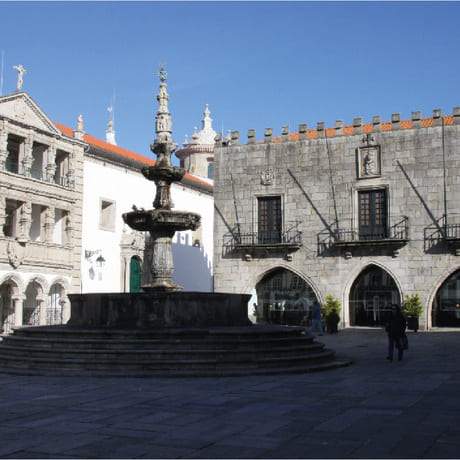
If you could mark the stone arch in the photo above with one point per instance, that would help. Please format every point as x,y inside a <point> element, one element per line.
<point>284,296</point>
<point>34,301</point>
<point>11,298</point>
<point>15,279</point>
<point>44,286</point>
<point>356,273</point>
<point>257,278</point>
<point>57,304</point>
<point>432,295</point>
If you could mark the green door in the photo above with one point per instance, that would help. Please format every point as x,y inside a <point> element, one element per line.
<point>135,275</point>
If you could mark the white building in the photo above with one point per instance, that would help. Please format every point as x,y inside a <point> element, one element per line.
<point>62,194</point>
<point>112,253</point>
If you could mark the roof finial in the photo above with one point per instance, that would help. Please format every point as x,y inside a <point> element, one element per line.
<point>80,131</point>
<point>110,131</point>
<point>21,71</point>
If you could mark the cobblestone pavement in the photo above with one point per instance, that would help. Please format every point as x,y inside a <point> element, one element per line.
<point>372,409</point>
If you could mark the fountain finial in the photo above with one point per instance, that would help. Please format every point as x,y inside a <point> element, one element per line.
<point>163,120</point>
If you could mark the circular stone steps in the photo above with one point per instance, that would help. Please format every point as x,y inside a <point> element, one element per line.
<point>219,351</point>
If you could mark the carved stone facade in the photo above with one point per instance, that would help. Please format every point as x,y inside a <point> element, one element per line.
<point>337,184</point>
<point>40,214</point>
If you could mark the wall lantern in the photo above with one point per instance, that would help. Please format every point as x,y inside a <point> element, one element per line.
<point>100,262</point>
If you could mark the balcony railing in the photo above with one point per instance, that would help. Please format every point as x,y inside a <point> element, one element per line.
<point>445,230</point>
<point>63,181</point>
<point>243,237</point>
<point>395,234</point>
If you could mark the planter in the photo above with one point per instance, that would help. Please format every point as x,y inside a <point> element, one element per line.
<point>412,323</point>
<point>332,323</point>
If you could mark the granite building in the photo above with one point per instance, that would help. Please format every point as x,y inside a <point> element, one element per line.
<point>367,212</point>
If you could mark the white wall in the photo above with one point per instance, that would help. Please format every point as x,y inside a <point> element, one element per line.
<point>103,180</point>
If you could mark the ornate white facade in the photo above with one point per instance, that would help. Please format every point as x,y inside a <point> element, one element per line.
<point>40,215</point>
<point>62,193</point>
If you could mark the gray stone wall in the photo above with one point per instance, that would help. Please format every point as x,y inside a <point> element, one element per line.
<point>415,190</point>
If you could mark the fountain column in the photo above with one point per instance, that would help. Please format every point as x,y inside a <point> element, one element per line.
<point>161,222</point>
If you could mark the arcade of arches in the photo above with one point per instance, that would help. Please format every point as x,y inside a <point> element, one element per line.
<point>285,298</point>
<point>32,307</point>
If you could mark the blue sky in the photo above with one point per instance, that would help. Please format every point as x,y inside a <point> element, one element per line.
<point>257,64</point>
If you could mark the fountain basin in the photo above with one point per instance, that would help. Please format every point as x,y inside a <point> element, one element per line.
<point>161,219</point>
<point>159,309</point>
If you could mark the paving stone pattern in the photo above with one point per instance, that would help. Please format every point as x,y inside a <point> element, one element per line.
<point>372,409</point>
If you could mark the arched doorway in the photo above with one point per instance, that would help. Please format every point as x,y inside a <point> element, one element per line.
<point>371,296</point>
<point>31,314</point>
<point>135,274</point>
<point>284,298</point>
<point>446,305</point>
<point>54,307</point>
<point>8,291</point>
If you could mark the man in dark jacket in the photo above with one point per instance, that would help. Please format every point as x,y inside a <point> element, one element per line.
<point>395,327</point>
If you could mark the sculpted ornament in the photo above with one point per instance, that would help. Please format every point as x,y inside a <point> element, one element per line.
<point>267,176</point>
<point>368,158</point>
<point>16,253</point>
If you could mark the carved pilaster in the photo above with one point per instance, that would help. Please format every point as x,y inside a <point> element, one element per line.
<point>18,310</point>
<point>2,214</point>
<point>51,163</point>
<point>49,224</point>
<point>25,220</point>
<point>3,143</point>
<point>68,229</point>
<point>27,157</point>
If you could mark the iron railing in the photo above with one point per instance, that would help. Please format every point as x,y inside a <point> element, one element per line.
<point>443,231</point>
<point>394,232</point>
<point>243,236</point>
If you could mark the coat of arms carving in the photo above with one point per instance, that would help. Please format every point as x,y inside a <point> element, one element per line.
<point>267,176</point>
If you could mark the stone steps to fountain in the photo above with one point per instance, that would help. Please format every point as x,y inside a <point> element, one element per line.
<point>155,353</point>
<point>175,352</point>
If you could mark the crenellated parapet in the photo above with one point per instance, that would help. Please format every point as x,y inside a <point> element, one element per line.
<point>357,127</point>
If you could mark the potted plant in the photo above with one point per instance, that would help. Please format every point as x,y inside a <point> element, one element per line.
<point>331,311</point>
<point>412,308</point>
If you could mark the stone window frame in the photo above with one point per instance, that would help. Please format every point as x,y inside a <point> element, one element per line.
<point>255,213</point>
<point>112,224</point>
<point>361,187</point>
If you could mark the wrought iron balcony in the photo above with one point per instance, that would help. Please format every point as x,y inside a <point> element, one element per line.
<point>242,237</point>
<point>396,234</point>
<point>446,230</point>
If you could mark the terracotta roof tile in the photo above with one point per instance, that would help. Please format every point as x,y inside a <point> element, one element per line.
<point>367,128</point>
<point>129,154</point>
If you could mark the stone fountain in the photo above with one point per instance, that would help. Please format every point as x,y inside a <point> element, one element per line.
<point>162,330</point>
<point>162,222</point>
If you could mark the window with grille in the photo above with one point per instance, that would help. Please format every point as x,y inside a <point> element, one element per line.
<point>269,219</point>
<point>372,214</point>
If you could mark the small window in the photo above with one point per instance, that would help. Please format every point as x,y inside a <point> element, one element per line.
<point>38,155</point>
<point>269,219</point>
<point>36,227</point>
<point>61,175</point>
<point>9,229</point>
<point>372,214</point>
<point>107,215</point>
<point>12,158</point>
<point>211,170</point>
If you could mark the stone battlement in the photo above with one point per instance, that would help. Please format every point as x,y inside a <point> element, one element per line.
<point>340,129</point>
